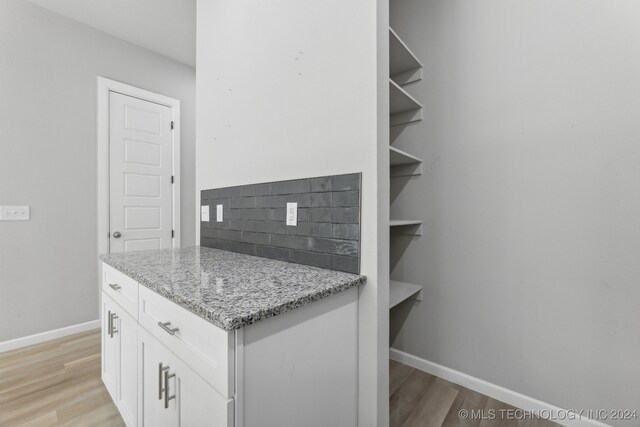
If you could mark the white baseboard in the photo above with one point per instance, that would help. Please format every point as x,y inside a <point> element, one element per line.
<point>46,336</point>
<point>559,415</point>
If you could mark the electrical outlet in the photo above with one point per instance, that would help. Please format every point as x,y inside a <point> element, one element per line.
<point>14,213</point>
<point>219,213</point>
<point>292,214</point>
<point>204,213</point>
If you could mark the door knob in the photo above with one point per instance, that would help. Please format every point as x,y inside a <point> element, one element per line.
<point>116,235</point>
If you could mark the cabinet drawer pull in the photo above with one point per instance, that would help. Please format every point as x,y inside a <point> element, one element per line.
<point>109,323</point>
<point>167,329</point>
<point>112,326</point>
<point>161,388</point>
<point>115,286</point>
<point>167,398</point>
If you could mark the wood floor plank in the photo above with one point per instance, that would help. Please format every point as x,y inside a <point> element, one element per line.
<point>398,373</point>
<point>434,406</point>
<point>410,405</point>
<point>469,401</point>
<point>498,409</point>
<point>405,399</point>
<point>95,407</point>
<point>49,419</point>
<point>56,383</point>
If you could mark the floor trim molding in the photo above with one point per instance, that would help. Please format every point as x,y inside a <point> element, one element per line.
<point>571,419</point>
<point>46,336</point>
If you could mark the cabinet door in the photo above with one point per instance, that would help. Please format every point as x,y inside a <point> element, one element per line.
<point>173,395</point>
<point>154,360</point>
<point>110,347</point>
<point>127,401</point>
<point>199,404</point>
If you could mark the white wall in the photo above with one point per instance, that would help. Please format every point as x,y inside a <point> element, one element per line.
<point>286,90</point>
<point>530,196</point>
<point>48,71</point>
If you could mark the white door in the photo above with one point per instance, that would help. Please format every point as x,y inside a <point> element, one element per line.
<point>140,174</point>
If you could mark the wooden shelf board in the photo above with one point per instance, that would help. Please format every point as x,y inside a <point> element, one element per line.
<point>402,62</point>
<point>400,101</point>
<point>403,222</point>
<point>401,291</point>
<point>405,117</point>
<point>399,157</point>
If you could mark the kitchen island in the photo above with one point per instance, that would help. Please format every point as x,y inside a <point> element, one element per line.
<point>205,337</point>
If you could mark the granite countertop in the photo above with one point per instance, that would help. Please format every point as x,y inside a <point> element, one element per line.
<point>228,289</point>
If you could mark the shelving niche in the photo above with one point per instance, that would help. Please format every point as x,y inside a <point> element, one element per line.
<point>404,68</point>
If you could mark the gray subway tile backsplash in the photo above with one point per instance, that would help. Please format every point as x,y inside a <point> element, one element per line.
<point>290,187</point>
<point>328,230</point>
<point>345,182</point>
<point>345,231</point>
<point>321,184</point>
<point>346,198</point>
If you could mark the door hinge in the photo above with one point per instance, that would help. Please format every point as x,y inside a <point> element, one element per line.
<point>171,124</point>
<point>172,179</point>
<point>173,233</point>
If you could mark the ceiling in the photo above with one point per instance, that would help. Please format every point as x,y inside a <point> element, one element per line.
<point>167,27</point>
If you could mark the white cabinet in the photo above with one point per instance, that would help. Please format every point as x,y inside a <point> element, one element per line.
<point>119,358</point>
<point>204,347</point>
<point>164,366</point>
<point>173,394</point>
<point>110,346</point>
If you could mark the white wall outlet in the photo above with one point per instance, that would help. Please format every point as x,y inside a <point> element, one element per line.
<point>14,213</point>
<point>204,213</point>
<point>219,213</point>
<point>292,214</point>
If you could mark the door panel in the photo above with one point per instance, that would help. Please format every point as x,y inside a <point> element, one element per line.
<point>200,405</point>
<point>151,397</point>
<point>128,391</point>
<point>196,403</point>
<point>110,347</point>
<point>140,168</point>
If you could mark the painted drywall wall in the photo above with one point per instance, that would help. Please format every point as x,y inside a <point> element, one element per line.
<point>289,90</point>
<point>48,71</point>
<point>529,195</point>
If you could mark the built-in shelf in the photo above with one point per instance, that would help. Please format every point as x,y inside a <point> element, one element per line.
<point>399,100</point>
<point>402,163</point>
<point>401,291</point>
<point>403,107</point>
<point>408,227</point>
<point>403,222</point>
<point>399,157</point>
<point>404,66</point>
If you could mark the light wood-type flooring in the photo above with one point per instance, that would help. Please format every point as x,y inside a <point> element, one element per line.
<point>58,383</point>
<point>418,399</point>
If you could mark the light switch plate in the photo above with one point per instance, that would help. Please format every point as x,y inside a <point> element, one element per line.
<point>204,213</point>
<point>14,213</point>
<point>219,213</point>
<point>292,214</point>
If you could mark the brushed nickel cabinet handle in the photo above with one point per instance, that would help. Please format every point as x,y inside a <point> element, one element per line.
<point>116,235</point>
<point>115,286</point>
<point>167,329</point>
<point>109,323</point>
<point>167,398</point>
<point>113,326</point>
<point>161,388</point>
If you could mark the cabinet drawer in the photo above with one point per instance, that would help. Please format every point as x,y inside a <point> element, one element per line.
<point>204,347</point>
<point>122,288</point>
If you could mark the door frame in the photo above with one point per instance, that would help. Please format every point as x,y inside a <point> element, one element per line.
<point>105,87</point>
